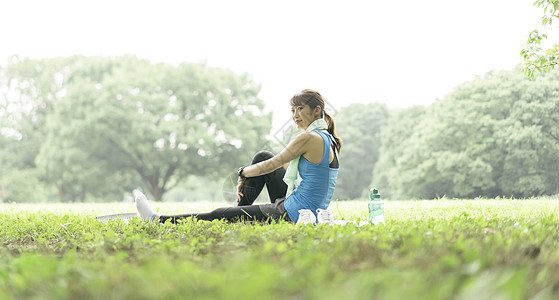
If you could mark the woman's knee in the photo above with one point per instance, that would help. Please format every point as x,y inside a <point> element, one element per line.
<point>262,156</point>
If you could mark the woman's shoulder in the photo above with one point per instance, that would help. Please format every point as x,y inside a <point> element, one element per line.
<point>305,135</point>
<point>306,139</point>
<point>308,136</point>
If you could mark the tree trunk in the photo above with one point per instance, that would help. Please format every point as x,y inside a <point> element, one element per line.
<point>2,192</point>
<point>61,194</point>
<point>82,194</point>
<point>157,193</point>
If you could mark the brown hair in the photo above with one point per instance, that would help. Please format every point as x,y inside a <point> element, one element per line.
<point>313,99</point>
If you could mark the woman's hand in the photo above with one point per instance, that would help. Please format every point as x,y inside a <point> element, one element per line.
<point>240,184</point>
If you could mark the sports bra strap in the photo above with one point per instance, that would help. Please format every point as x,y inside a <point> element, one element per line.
<point>335,164</point>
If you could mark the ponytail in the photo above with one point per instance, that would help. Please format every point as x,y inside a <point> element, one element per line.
<point>332,129</point>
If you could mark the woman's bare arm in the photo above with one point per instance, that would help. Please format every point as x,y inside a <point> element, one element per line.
<point>296,148</point>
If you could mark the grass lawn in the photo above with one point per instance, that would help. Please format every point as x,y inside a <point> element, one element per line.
<point>441,249</point>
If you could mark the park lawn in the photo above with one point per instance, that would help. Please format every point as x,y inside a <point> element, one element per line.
<point>440,249</point>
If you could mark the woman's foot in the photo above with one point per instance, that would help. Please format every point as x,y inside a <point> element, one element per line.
<point>144,209</point>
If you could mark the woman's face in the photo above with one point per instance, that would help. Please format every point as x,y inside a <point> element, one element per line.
<point>303,115</point>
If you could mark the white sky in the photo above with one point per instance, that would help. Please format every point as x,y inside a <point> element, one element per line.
<point>396,52</point>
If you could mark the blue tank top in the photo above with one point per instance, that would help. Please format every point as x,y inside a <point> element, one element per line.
<point>317,183</point>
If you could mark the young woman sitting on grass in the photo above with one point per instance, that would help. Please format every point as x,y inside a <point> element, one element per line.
<point>313,155</point>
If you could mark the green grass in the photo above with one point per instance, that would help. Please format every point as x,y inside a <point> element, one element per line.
<point>444,249</point>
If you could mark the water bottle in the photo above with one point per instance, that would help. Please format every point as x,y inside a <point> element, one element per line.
<point>376,208</point>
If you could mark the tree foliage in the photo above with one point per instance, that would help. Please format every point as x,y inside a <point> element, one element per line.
<point>107,124</point>
<point>94,127</point>
<point>395,145</point>
<point>494,136</point>
<point>28,91</point>
<point>536,58</point>
<point>359,125</point>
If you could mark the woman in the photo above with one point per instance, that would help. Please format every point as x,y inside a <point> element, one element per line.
<point>313,155</point>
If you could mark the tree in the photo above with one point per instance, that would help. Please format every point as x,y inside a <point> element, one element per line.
<point>515,134</point>
<point>21,186</point>
<point>28,90</point>
<point>32,89</point>
<point>531,140</point>
<point>359,125</point>
<point>396,141</point>
<point>163,122</point>
<point>105,125</point>
<point>496,135</point>
<point>535,57</point>
<point>63,159</point>
<point>60,160</point>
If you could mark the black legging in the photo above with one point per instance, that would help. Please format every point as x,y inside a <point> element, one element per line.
<point>245,211</point>
<point>274,182</point>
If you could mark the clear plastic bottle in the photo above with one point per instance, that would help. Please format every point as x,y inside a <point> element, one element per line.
<point>376,207</point>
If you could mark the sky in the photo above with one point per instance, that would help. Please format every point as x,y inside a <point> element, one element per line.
<point>401,53</point>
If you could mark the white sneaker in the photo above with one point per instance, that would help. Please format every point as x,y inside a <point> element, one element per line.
<point>306,216</point>
<point>325,216</point>
<point>142,205</point>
